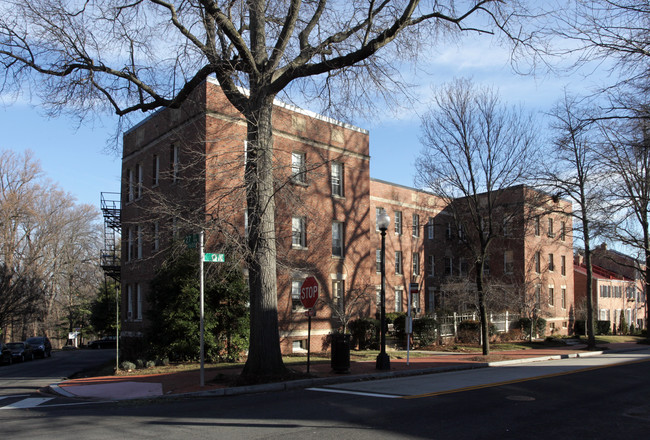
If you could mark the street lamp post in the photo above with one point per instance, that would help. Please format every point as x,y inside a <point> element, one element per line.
<point>383,361</point>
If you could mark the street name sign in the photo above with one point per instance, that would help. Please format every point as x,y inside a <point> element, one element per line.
<point>214,258</point>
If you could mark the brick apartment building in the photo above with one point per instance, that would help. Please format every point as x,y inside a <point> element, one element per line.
<point>183,170</point>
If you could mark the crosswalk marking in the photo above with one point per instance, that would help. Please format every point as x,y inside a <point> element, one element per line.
<point>27,403</point>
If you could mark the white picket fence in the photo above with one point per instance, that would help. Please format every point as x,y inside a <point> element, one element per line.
<point>449,324</point>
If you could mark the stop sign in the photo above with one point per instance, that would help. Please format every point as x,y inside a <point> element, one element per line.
<point>309,292</point>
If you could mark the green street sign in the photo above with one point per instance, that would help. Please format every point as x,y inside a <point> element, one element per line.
<point>214,258</point>
<point>191,241</point>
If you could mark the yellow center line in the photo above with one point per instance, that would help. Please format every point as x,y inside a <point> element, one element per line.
<point>508,382</point>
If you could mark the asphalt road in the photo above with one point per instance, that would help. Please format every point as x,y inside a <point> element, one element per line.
<point>28,377</point>
<point>598,399</point>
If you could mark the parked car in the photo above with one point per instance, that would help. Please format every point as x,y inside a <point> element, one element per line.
<point>21,351</point>
<point>107,342</point>
<point>5,354</point>
<point>41,346</point>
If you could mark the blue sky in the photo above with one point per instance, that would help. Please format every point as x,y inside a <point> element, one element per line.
<point>76,158</point>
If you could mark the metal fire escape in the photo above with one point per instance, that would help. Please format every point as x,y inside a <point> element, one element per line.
<point>110,257</point>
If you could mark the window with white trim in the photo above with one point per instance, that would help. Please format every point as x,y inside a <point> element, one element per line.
<point>416,264</point>
<point>398,222</point>
<point>378,260</point>
<point>398,262</point>
<point>129,302</point>
<point>138,308</point>
<point>337,239</point>
<point>416,225</point>
<point>551,295</point>
<point>508,262</point>
<point>174,162</point>
<point>295,294</point>
<point>337,179</point>
<point>430,229</point>
<point>338,293</point>
<point>399,299</point>
<point>431,266</point>
<point>298,233</point>
<point>155,172</point>
<point>298,167</point>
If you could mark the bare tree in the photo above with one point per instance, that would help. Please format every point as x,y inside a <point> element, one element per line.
<point>49,247</point>
<point>626,152</point>
<point>577,174</point>
<point>143,55</point>
<point>475,148</point>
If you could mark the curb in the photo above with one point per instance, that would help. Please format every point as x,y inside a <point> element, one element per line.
<point>317,382</point>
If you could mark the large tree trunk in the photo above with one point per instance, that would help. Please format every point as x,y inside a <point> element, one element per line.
<point>265,357</point>
<point>485,332</point>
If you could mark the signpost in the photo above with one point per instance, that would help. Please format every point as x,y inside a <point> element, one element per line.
<point>308,297</point>
<point>414,289</point>
<point>191,241</point>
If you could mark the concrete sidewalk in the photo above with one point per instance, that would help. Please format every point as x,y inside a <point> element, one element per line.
<point>218,380</point>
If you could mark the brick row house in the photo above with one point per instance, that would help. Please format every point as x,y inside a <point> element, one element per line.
<point>617,287</point>
<point>183,171</point>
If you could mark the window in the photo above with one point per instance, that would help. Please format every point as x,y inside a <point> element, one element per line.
<point>398,262</point>
<point>537,226</point>
<point>378,212</point>
<point>295,294</point>
<point>506,227</point>
<point>298,168</point>
<point>138,305</point>
<point>486,266</point>
<point>337,293</point>
<point>448,231</point>
<point>139,240</point>
<point>551,295</point>
<point>462,266</point>
<point>129,303</point>
<point>378,260</point>
<point>138,174</point>
<point>538,265</point>
<point>131,184</point>
<point>551,265</point>
<point>461,231</point>
<point>431,266</point>
<point>551,232</point>
<point>416,264</point>
<point>430,228</point>
<point>508,262</point>
<point>563,231</point>
<point>449,266</point>
<point>416,225</point>
<point>538,295</point>
<point>630,292</point>
<point>431,297</point>
<point>337,239</point>
<point>337,179</point>
<point>156,235</point>
<point>563,265</point>
<point>298,233</point>
<point>174,162</point>
<point>415,302</point>
<point>378,296</point>
<point>155,172</point>
<point>129,251</point>
<point>398,222</point>
<point>563,298</point>
<point>399,299</point>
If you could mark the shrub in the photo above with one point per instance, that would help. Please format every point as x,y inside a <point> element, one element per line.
<point>469,331</point>
<point>150,364</point>
<point>127,366</point>
<point>425,330</point>
<point>525,323</point>
<point>603,327</point>
<point>512,335</point>
<point>364,332</point>
<point>399,325</point>
<point>139,363</point>
<point>162,362</point>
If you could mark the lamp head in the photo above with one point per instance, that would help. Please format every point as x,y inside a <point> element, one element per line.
<point>383,221</point>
